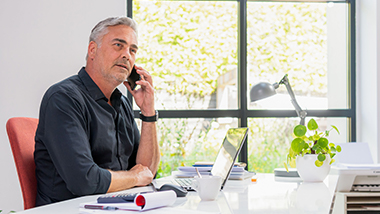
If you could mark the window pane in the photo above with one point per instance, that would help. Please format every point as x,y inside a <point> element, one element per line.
<point>190,48</point>
<point>270,138</point>
<point>307,41</point>
<point>186,141</point>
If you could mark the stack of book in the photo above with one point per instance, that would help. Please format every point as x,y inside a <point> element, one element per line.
<point>238,172</point>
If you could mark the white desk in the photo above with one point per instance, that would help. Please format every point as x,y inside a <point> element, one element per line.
<point>265,196</point>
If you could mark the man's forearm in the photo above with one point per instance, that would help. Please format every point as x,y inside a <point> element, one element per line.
<point>148,153</point>
<point>138,175</point>
<point>121,180</point>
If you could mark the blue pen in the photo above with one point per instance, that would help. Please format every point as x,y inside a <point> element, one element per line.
<point>98,207</point>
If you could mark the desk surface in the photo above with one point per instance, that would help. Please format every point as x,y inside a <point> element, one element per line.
<point>264,196</point>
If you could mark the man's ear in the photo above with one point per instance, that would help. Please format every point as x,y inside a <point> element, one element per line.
<point>92,48</point>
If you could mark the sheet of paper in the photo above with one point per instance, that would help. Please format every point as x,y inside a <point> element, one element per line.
<point>158,199</point>
<point>163,210</point>
<point>358,166</point>
<point>354,153</point>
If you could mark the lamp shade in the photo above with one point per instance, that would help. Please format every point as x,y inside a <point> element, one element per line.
<point>262,90</point>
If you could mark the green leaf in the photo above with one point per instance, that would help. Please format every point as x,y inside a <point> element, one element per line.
<point>299,130</point>
<point>312,125</point>
<point>338,148</point>
<point>335,128</point>
<point>291,152</point>
<point>321,157</point>
<point>292,163</point>
<point>332,161</point>
<point>297,145</point>
<point>318,163</point>
<point>286,167</point>
<point>332,149</point>
<point>305,145</point>
<point>316,136</point>
<point>323,142</point>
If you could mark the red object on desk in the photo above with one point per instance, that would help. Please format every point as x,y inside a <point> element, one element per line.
<point>140,200</point>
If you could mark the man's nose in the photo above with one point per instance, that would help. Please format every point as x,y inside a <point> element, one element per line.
<point>126,54</point>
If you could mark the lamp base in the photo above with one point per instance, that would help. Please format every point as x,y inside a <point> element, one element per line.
<point>280,174</point>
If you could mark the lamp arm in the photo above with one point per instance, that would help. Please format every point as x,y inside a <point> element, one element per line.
<point>301,113</point>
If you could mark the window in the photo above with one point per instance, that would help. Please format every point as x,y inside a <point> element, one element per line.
<point>205,56</point>
<point>190,47</point>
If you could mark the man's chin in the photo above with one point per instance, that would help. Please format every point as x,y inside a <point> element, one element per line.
<point>120,79</point>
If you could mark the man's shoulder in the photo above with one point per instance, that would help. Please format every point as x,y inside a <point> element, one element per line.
<point>69,86</point>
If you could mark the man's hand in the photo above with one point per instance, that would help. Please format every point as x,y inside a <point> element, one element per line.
<point>144,96</point>
<point>138,175</point>
<point>148,153</point>
<point>142,173</point>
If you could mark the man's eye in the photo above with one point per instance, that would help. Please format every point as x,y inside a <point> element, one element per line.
<point>118,44</point>
<point>133,51</point>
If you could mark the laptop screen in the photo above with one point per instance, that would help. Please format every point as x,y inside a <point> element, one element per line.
<point>228,153</point>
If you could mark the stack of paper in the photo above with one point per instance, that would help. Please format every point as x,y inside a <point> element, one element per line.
<point>237,173</point>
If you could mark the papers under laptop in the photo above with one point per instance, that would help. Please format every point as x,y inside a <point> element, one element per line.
<point>224,162</point>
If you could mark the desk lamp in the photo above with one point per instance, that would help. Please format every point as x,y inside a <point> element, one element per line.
<point>263,90</point>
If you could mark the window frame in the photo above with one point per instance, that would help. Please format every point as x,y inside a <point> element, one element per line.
<point>243,113</point>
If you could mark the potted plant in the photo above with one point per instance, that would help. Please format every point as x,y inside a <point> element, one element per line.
<point>312,154</point>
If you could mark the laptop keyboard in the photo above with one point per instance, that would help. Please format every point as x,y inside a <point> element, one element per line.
<point>185,183</point>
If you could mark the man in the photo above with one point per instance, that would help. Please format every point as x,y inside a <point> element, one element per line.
<point>87,141</point>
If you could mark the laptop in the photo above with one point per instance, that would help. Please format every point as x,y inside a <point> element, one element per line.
<point>224,162</point>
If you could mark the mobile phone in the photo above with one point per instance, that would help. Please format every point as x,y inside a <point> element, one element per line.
<point>133,77</point>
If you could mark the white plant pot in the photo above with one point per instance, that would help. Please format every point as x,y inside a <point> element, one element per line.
<point>308,171</point>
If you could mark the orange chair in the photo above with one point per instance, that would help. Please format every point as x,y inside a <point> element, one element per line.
<point>21,132</point>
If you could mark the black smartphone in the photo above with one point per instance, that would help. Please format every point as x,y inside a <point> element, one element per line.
<point>133,77</point>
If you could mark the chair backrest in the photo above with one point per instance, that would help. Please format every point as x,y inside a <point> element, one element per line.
<point>21,132</point>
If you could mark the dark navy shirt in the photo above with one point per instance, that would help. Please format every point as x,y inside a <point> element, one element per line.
<point>79,137</point>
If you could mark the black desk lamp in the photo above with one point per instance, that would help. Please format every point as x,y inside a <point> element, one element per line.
<point>263,90</point>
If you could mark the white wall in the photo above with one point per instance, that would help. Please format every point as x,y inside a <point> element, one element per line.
<point>41,42</point>
<point>368,78</point>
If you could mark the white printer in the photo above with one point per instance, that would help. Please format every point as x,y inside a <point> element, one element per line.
<point>355,177</point>
<point>356,169</point>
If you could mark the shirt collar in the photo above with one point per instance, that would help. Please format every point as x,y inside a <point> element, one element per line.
<point>91,86</point>
<point>95,91</point>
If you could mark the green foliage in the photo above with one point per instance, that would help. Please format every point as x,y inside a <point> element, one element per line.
<point>183,42</point>
<point>288,38</point>
<point>267,147</point>
<point>316,143</point>
<point>188,45</point>
<point>185,141</point>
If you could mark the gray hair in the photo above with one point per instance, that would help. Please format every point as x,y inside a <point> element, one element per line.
<point>101,28</point>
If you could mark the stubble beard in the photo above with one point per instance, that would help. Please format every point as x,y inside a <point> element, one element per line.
<point>115,74</point>
<point>115,78</point>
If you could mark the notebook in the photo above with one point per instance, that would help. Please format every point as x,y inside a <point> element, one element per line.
<point>224,162</point>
